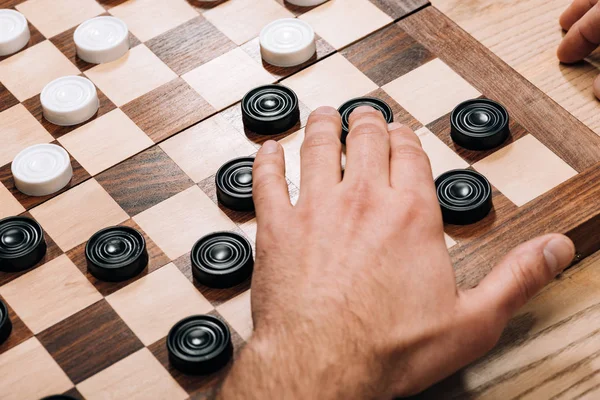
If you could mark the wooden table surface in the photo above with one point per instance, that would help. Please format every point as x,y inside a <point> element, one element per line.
<point>551,349</point>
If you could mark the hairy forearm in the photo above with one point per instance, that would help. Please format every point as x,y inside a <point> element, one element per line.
<point>290,367</point>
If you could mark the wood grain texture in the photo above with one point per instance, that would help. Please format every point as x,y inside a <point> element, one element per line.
<point>89,341</point>
<point>20,332</point>
<point>144,180</point>
<point>400,114</point>
<point>79,175</point>
<point>547,121</point>
<point>400,8</point>
<point>156,259</point>
<point>387,54</point>
<point>167,110</point>
<point>190,45</point>
<point>7,100</point>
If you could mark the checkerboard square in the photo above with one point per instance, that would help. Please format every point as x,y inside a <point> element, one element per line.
<point>29,372</point>
<point>9,206</point>
<point>242,20</point>
<point>291,147</point>
<point>19,130</point>
<point>49,294</point>
<point>7,100</point>
<point>449,241</point>
<point>238,314</point>
<point>330,82</point>
<point>153,174</point>
<point>168,109</point>
<point>137,377</point>
<point>133,75</point>
<point>40,64</point>
<point>19,333</point>
<point>524,170</point>
<point>342,22</point>
<point>177,223</point>
<point>190,45</point>
<point>430,91</point>
<point>226,79</point>
<point>215,138</point>
<point>151,305</point>
<point>104,142</point>
<point>89,341</point>
<point>77,214</point>
<point>442,158</point>
<point>149,18</point>
<point>52,17</point>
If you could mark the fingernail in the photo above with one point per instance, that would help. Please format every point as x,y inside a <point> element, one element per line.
<point>394,126</point>
<point>325,111</point>
<point>363,110</point>
<point>559,253</point>
<point>269,147</point>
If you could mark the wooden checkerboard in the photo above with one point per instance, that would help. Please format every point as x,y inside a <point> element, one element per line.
<point>170,116</point>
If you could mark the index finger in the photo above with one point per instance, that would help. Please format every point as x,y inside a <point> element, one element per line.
<point>574,12</point>
<point>582,38</point>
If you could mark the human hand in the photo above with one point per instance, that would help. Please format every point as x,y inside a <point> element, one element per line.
<point>581,20</point>
<point>353,292</point>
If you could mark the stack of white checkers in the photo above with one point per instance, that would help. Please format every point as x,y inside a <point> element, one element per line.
<point>44,169</point>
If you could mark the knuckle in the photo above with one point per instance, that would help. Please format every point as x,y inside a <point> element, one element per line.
<point>263,181</point>
<point>409,151</point>
<point>366,128</point>
<point>320,141</point>
<point>323,119</point>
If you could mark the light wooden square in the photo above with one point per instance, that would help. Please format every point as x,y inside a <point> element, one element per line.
<point>525,169</point>
<point>341,22</point>
<point>131,76</point>
<point>291,146</point>
<point>238,313</point>
<point>75,215</point>
<point>52,17</point>
<point>177,223</point>
<point>153,304</point>
<point>25,74</point>
<point>139,376</point>
<point>449,241</point>
<point>106,141</point>
<point>9,206</point>
<point>330,82</point>
<point>28,371</point>
<point>442,157</point>
<point>242,20</point>
<point>430,91</point>
<point>249,228</point>
<point>149,18</point>
<point>226,79</point>
<point>50,294</point>
<point>19,129</point>
<point>215,139</point>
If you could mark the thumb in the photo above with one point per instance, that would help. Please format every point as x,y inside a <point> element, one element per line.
<point>520,275</point>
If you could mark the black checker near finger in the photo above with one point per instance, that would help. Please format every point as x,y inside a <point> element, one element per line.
<point>346,109</point>
<point>234,184</point>
<point>465,196</point>
<point>479,124</point>
<point>270,109</point>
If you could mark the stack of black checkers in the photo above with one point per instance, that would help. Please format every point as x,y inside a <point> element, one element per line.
<point>270,109</point>
<point>199,344</point>
<point>222,260</point>
<point>116,254</point>
<point>234,184</point>
<point>346,109</point>
<point>22,244</point>
<point>465,196</point>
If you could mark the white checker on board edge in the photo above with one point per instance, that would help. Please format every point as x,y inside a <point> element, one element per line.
<point>306,3</point>
<point>14,31</point>
<point>42,169</point>
<point>69,100</point>
<point>287,42</point>
<point>101,40</point>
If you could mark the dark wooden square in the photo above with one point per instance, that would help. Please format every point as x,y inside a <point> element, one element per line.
<point>79,175</point>
<point>168,110</point>
<point>20,332</point>
<point>7,100</point>
<point>144,180</point>
<point>34,105</point>
<point>10,3</point>
<point>198,386</point>
<point>111,3</point>
<point>64,42</point>
<point>387,54</point>
<point>190,45</point>
<point>252,47</point>
<point>52,252</point>
<point>89,341</point>
<point>400,8</point>
<point>156,259</point>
